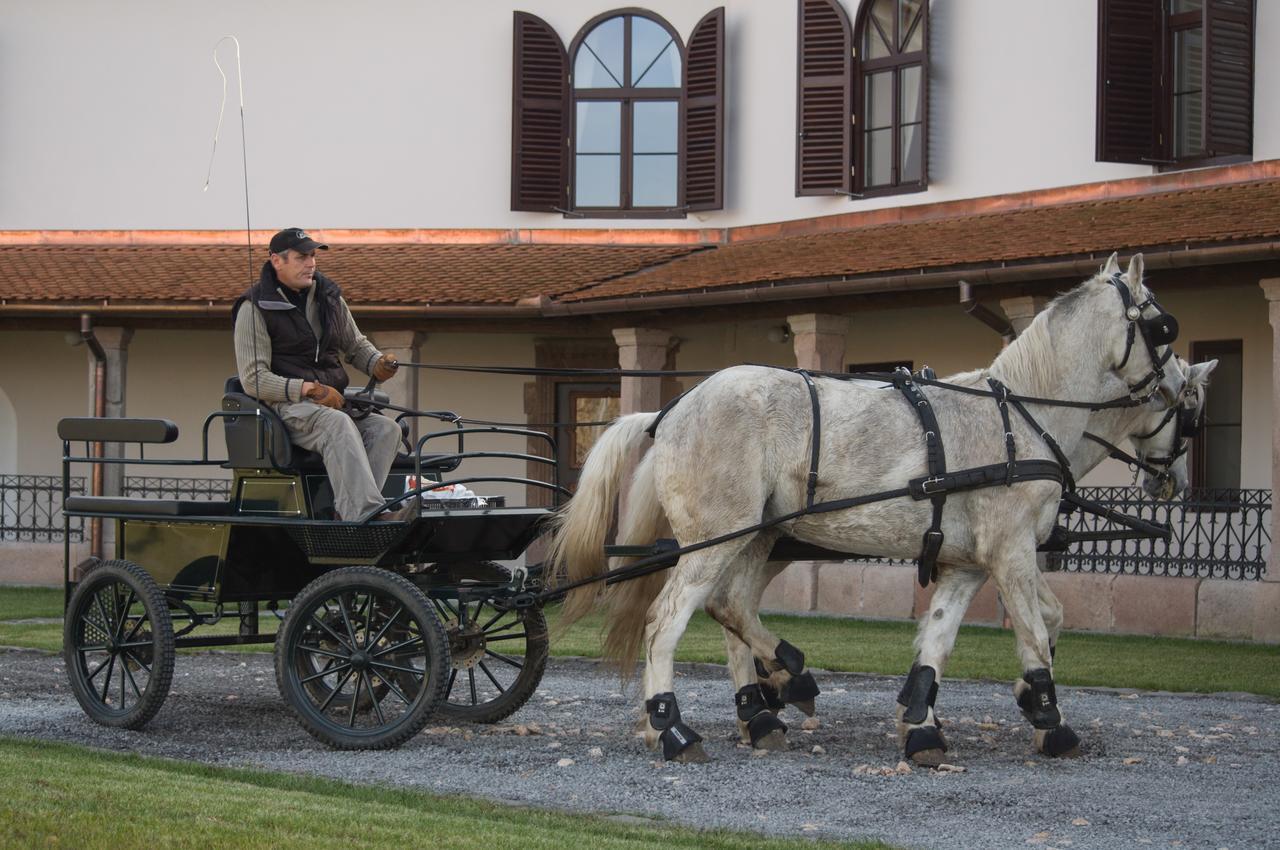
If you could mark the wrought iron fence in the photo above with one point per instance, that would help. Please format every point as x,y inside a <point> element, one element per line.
<point>177,488</point>
<point>31,508</point>
<point>1223,534</point>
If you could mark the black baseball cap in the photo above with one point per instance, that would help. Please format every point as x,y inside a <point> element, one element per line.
<point>295,239</point>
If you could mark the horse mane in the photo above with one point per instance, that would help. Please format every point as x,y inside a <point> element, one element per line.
<point>1029,365</point>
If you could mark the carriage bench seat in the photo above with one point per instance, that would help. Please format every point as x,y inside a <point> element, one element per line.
<point>132,505</point>
<point>259,439</point>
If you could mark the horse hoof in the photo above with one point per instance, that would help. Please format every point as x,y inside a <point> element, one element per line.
<point>925,746</point>
<point>1058,742</point>
<point>692,754</point>
<point>929,758</point>
<point>775,741</point>
<point>807,706</point>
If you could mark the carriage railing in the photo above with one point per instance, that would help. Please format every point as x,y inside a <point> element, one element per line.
<point>31,509</point>
<point>461,455</point>
<point>1222,534</point>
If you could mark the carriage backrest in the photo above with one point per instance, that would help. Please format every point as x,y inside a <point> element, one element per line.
<point>116,430</point>
<point>257,440</point>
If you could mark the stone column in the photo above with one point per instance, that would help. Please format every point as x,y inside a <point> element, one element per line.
<point>1266,609</point>
<point>404,346</point>
<point>115,342</point>
<point>641,348</point>
<point>819,341</point>
<point>1022,309</point>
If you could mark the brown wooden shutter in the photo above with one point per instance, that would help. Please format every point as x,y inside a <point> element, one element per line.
<point>1228,77</point>
<point>704,114</point>
<point>1128,80</point>
<point>539,117</point>
<point>823,113</point>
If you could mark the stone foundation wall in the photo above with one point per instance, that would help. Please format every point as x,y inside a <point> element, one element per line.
<point>37,563</point>
<point>1118,604</point>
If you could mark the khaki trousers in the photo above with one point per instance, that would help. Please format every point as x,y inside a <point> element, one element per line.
<point>357,453</point>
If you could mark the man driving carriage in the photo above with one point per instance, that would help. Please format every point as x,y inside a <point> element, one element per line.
<point>289,346</point>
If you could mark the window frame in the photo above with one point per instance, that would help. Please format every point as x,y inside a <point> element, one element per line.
<point>896,62</point>
<point>1148,29</point>
<point>628,95</point>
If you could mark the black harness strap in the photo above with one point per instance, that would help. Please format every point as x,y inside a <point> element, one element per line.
<point>815,443</point>
<point>935,485</point>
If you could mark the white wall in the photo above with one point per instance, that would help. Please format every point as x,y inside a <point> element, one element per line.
<point>397,114</point>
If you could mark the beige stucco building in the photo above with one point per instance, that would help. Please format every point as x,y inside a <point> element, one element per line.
<point>799,183</point>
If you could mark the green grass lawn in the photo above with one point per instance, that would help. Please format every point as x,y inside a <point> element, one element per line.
<point>865,646</point>
<point>55,795</point>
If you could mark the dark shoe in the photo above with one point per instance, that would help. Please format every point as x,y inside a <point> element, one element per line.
<point>407,512</point>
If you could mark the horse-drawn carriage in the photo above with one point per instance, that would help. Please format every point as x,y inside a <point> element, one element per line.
<point>390,621</point>
<point>385,623</point>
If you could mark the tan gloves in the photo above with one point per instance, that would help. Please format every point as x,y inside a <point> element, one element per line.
<point>385,368</point>
<point>323,394</point>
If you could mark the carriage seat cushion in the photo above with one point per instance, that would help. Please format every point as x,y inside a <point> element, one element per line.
<point>151,507</point>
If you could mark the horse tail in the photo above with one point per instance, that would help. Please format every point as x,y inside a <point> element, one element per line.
<point>579,530</point>
<point>643,522</point>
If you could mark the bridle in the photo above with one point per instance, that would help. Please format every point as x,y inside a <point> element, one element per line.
<point>1190,421</point>
<point>1160,329</point>
<point>1189,415</point>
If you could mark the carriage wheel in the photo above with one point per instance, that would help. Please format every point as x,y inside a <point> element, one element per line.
<point>320,687</point>
<point>497,655</point>
<point>117,640</point>
<point>361,659</point>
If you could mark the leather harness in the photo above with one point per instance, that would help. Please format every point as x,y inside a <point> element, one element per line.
<point>938,483</point>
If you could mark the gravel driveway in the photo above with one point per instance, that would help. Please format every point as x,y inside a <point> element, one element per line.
<point>1158,769</point>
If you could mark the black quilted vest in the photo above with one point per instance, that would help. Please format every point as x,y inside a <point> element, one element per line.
<point>295,351</point>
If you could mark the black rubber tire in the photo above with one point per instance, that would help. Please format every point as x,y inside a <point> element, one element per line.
<point>396,617</point>
<point>117,619</point>
<point>499,662</point>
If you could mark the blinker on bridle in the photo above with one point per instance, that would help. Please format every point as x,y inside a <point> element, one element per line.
<point>1160,329</point>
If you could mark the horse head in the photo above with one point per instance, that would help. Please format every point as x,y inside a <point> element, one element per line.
<point>1142,349</point>
<point>1161,443</point>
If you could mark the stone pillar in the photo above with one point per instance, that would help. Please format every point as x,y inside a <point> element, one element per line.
<point>1266,609</point>
<point>404,346</point>
<point>1022,309</point>
<point>115,342</point>
<point>641,348</point>
<point>819,341</point>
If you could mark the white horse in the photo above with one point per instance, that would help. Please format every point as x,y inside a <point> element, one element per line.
<point>737,449</point>
<point>1156,432</point>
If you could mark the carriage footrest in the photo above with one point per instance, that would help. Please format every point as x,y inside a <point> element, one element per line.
<point>657,547</point>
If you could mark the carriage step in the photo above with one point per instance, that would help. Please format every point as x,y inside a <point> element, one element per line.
<point>657,547</point>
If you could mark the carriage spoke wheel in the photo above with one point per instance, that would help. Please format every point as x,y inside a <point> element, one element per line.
<point>361,659</point>
<point>497,658</point>
<point>117,641</point>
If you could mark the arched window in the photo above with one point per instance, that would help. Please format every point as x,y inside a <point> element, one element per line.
<point>627,122</point>
<point>862,98</point>
<point>627,71</point>
<point>891,95</point>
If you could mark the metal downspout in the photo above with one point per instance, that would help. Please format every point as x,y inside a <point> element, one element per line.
<point>987,316</point>
<point>99,410</point>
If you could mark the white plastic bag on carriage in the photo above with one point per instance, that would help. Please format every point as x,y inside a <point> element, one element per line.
<point>455,492</point>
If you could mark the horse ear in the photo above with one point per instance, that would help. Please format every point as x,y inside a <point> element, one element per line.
<point>1201,371</point>
<point>1134,275</point>
<point>1112,266</point>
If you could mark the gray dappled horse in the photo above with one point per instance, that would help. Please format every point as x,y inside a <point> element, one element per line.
<point>1159,433</point>
<point>737,449</point>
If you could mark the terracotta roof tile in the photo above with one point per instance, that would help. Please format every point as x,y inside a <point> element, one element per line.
<point>499,273</point>
<point>1235,213</point>
<point>368,274</point>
